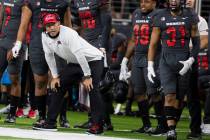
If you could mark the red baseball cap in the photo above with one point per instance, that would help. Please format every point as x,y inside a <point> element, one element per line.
<point>50,18</point>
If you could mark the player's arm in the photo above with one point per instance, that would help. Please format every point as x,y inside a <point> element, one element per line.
<point>203,30</point>
<point>26,14</point>
<point>128,54</point>
<point>195,37</point>
<point>106,21</point>
<point>126,58</point>
<point>195,41</point>
<point>155,37</point>
<point>67,18</point>
<point>204,42</point>
<point>25,20</point>
<point>130,48</point>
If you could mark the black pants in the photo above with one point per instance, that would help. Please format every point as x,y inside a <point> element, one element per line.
<point>27,75</point>
<point>206,119</point>
<point>204,83</point>
<point>194,101</point>
<point>72,73</point>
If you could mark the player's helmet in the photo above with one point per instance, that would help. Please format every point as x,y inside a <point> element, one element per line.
<point>120,91</point>
<point>107,82</point>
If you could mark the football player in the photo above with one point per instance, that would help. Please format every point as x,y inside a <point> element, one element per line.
<point>142,28</point>
<point>94,22</point>
<point>14,24</point>
<point>175,27</point>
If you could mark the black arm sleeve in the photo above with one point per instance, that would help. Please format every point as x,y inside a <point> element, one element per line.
<point>196,47</point>
<point>74,14</point>
<point>106,20</point>
<point>208,53</point>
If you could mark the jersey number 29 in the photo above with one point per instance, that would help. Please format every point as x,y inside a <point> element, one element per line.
<point>141,34</point>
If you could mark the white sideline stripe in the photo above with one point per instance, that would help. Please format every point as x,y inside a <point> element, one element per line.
<point>35,134</point>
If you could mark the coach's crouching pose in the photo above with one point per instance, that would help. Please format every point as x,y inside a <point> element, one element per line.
<point>84,64</point>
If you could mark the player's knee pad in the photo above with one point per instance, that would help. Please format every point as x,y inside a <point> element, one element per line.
<point>170,113</point>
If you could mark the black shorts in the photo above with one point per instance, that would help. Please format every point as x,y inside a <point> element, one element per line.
<point>141,83</point>
<point>171,80</point>
<point>15,65</point>
<point>37,57</point>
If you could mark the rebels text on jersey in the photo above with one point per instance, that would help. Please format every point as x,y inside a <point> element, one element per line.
<point>11,17</point>
<point>175,30</point>
<point>39,8</point>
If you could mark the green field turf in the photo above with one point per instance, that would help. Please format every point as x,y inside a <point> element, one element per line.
<point>12,138</point>
<point>122,126</point>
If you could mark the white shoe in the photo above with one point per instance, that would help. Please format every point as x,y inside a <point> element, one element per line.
<point>117,109</point>
<point>206,129</point>
<point>5,110</point>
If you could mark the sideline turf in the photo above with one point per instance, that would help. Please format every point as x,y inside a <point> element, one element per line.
<point>122,126</point>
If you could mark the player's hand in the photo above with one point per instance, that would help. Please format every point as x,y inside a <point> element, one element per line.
<point>9,55</point>
<point>187,65</point>
<point>125,77</point>
<point>103,50</point>
<point>87,82</point>
<point>123,69</point>
<point>151,72</point>
<point>16,49</point>
<point>55,84</point>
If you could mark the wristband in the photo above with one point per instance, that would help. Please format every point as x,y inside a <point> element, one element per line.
<point>86,77</point>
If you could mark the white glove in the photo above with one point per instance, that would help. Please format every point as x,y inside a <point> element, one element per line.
<point>103,50</point>
<point>123,69</point>
<point>151,72</point>
<point>16,49</point>
<point>125,77</point>
<point>187,65</point>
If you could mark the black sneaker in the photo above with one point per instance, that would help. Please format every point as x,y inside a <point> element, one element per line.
<point>39,122</point>
<point>64,122</point>
<point>108,127</point>
<point>85,125</point>
<point>159,131</point>
<point>45,127</point>
<point>143,129</point>
<point>129,113</point>
<point>171,135</point>
<point>194,136</point>
<point>10,119</point>
<point>95,129</point>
